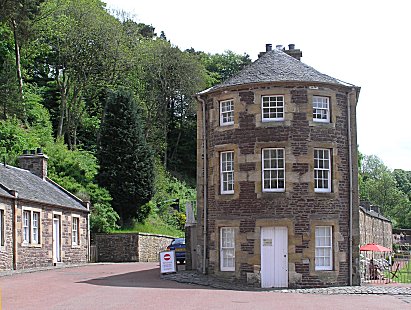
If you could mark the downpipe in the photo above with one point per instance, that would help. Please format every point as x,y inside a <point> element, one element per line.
<point>204,184</point>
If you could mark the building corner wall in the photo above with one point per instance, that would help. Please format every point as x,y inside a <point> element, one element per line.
<point>356,278</point>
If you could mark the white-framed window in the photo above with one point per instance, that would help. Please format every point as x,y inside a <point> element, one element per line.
<point>26,226</point>
<point>226,112</point>
<point>36,227</point>
<point>75,231</point>
<point>2,228</point>
<point>323,248</point>
<point>272,108</point>
<point>273,170</point>
<point>321,109</point>
<point>31,226</point>
<point>227,249</point>
<point>227,172</point>
<point>322,170</point>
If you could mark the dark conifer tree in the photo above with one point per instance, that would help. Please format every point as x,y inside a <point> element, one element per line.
<point>126,160</point>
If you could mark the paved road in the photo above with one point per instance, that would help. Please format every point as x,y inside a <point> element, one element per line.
<point>138,286</point>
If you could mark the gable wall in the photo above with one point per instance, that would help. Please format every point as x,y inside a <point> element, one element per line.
<point>6,251</point>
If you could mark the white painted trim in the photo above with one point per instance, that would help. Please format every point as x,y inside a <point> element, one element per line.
<point>271,190</point>
<point>275,119</point>
<point>222,267</point>
<point>330,249</point>
<point>226,192</point>
<point>319,120</point>
<point>222,123</point>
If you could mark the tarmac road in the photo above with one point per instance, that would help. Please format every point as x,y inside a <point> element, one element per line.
<point>138,286</point>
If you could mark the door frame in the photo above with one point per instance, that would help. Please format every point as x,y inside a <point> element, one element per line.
<point>275,232</point>
<point>56,243</point>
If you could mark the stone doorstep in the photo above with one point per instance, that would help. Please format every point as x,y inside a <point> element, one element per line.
<point>191,277</point>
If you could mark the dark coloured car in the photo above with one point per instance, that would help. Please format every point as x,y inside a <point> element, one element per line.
<point>179,246</point>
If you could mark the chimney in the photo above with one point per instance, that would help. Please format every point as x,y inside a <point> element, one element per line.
<point>268,48</point>
<point>293,52</point>
<point>34,161</point>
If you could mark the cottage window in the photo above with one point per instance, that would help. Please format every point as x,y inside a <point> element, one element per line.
<point>75,231</point>
<point>31,227</point>
<point>273,170</point>
<point>272,108</point>
<point>227,172</point>
<point>323,248</point>
<point>322,170</point>
<point>2,228</point>
<point>226,112</point>
<point>321,109</point>
<point>26,226</point>
<point>227,249</point>
<point>36,235</point>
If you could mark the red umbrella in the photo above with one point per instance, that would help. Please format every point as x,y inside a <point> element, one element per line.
<point>374,248</point>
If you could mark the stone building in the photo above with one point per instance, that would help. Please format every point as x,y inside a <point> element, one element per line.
<point>277,174</point>
<point>374,227</point>
<point>41,223</point>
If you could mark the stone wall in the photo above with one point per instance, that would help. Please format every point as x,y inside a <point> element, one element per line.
<point>299,207</point>
<point>375,229</point>
<point>6,251</point>
<point>130,247</point>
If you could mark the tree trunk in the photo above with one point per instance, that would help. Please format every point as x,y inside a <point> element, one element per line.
<point>18,65</point>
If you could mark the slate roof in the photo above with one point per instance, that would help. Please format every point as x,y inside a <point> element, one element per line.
<point>277,66</point>
<point>31,187</point>
<point>374,214</point>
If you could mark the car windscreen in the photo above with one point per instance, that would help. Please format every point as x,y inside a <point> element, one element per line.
<point>179,241</point>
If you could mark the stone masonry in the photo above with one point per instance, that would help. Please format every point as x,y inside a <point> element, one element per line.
<point>299,208</point>
<point>130,247</point>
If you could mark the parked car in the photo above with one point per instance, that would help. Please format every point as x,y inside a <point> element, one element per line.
<point>179,246</point>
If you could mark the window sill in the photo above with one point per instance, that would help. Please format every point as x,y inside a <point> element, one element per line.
<point>76,246</point>
<point>31,245</point>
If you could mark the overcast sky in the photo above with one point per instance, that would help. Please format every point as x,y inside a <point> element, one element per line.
<point>365,43</point>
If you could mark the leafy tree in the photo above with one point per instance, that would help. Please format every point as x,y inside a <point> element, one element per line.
<point>403,179</point>
<point>379,186</point>
<point>168,78</point>
<point>126,160</point>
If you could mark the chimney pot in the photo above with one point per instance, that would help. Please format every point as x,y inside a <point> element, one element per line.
<point>291,46</point>
<point>268,47</point>
<point>32,152</point>
<point>25,152</point>
<point>39,151</point>
<point>279,47</point>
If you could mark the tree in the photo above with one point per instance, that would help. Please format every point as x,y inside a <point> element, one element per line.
<point>167,80</point>
<point>379,186</point>
<point>126,160</point>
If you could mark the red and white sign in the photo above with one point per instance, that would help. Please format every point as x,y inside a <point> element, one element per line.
<point>168,262</point>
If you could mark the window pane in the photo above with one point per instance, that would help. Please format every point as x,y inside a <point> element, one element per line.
<point>273,169</point>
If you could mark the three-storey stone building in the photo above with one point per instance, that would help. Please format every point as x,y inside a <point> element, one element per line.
<point>277,176</point>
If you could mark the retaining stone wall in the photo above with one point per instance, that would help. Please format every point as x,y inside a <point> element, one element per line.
<point>130,247</point>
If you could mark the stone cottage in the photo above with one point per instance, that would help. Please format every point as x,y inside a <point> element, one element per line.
<point>41,223</point>
<point>277,175</point>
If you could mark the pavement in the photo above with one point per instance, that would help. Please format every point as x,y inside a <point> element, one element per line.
<point>140,286</point>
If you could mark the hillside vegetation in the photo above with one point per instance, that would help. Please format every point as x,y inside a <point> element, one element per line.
<point>111,103</point>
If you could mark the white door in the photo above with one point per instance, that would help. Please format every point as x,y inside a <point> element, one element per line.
<point>274,257</point>
<point>56,239</point>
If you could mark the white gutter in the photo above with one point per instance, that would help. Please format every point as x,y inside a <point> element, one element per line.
<point>351,179</point>
<point>204,184</point>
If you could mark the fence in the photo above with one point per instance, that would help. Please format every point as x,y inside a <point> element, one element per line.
<point>377,268</point>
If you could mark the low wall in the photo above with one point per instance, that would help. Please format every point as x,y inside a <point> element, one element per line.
<point>130,247</point>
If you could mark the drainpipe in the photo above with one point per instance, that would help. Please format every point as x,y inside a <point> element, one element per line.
<point>204,184</point>
<point>88,232</point>
<point>351,179</point>
<point>14,227</point>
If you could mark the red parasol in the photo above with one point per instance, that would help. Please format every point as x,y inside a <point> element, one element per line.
<point>374,248</point>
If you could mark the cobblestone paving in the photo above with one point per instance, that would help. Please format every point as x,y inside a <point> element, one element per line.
<point>402,292</point>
